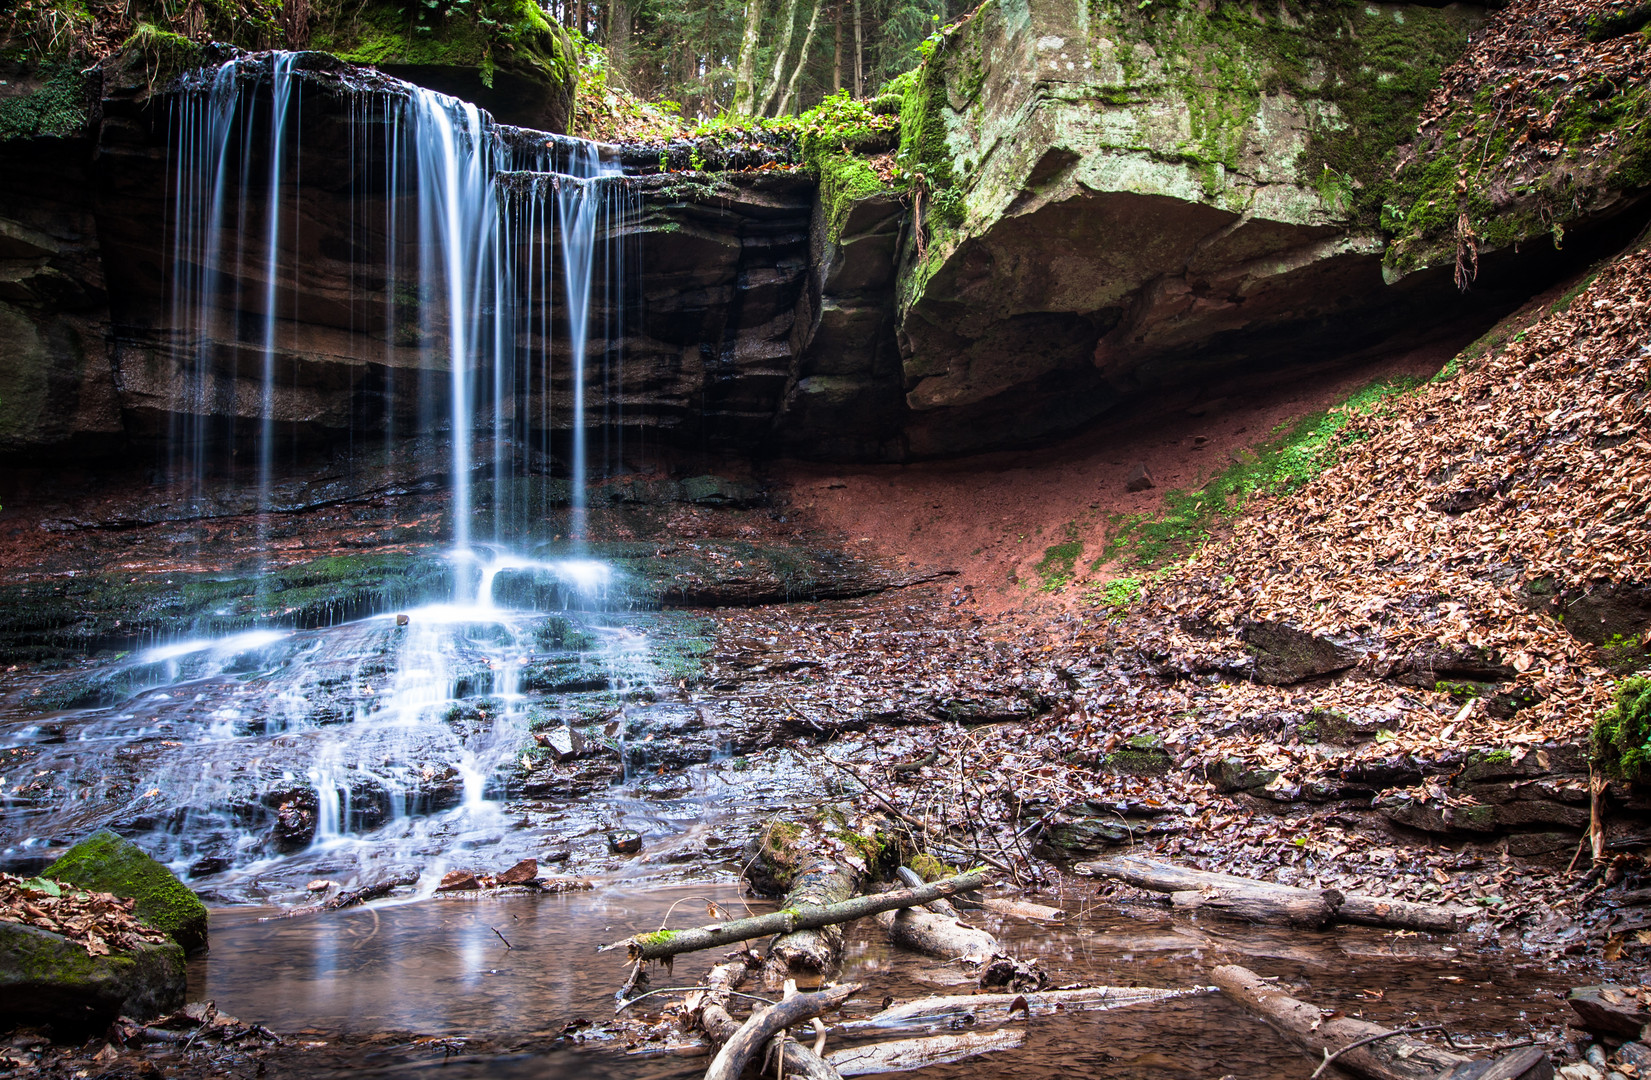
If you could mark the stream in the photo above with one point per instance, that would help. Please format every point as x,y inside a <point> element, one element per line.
<point>354,984</point>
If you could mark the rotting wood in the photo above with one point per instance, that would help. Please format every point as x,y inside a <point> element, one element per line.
<point>764,1024</point>
<point>1396,1057</point>
<point>1253,905</point>
<point>1022,909</point>
<point>1254,900</point>
<point>904,1055</point>
<point>663,943</point>
<point>987,1008</point>
<point>709,1008</point>
<point>818,949</point>
<point>938,930</point>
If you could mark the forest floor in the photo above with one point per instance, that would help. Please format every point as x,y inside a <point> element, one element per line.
<point>1364,680</point>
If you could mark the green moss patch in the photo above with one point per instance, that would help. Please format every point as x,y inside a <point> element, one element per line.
<point>107,863</point>
<point>60,107</point>
<point>1622,734</point>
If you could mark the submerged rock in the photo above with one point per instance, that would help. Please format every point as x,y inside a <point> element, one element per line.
<point>108,863</point>
<point>47,979</point>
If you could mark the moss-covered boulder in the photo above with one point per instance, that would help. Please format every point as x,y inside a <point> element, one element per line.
<point>504,55</point>
<point>47,979</point>
<point>1123,198</point>
<point>108,863</point>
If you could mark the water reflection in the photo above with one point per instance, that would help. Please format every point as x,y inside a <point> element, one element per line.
<point>442,968</point>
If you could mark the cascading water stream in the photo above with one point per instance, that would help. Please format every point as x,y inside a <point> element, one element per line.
<point>382,740</point>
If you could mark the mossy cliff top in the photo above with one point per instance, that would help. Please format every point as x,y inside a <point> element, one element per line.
<point>505,55</point>
<point>107,863</point>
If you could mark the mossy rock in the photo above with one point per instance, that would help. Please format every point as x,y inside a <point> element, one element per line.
<point>47,979</point>
<point>1142,755</point>
<point>107,863</point>
<point>1622,734</point>
<point>515,62</point>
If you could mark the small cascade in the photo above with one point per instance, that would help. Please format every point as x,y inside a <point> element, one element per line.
<point>284,753</point>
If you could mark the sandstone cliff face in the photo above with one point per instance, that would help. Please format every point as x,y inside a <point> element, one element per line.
<point>1129,198</point>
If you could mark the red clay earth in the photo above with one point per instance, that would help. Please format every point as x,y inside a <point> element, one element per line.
<point>992,517</point>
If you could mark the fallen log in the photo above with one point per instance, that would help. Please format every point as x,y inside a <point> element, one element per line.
<point>985,1008</point>
<point>764,1024</point>
<point>663,943</point>
<point>937,930</point>
<point>904,1055</point>
<point>1392,1056</point>
<point>1260,901</point>
<point>709,1008</point>
<point>1022,909</point>
<point>943,936</point>
<point>818,949</point>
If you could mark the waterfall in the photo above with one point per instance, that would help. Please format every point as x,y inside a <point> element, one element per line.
<point>514,259</point>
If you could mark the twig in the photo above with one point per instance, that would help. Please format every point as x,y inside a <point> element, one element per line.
<point>687,990</point>
<point>507,943</point>
<point>1329,1057</point>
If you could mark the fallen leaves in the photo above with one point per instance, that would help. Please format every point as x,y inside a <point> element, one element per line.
<point>99,922</point>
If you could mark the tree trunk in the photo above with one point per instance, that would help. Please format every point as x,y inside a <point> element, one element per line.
<point>818,950</point>
<point>963,1010</point>
<point>1260,901</point>
<point>904,1055</point>
<point>788,30</point>
<point>944,936</point>
<point>802,60</point>
<point>859,55</point>
<point>837,47</point>
<point>658,945</point>
<point>619,34</point>
<point>1396,1058</point>
<point>745,71</point>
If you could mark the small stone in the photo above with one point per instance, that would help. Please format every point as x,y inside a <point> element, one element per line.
<point>458,880</point>
<point>624,843</point>
<point>403,619</point>
<point>1608,1010</point>
<point>1140,479</point>
<point>557,855</point>
<point>318,885</point>
<point>1636,1054</point>
<point>522,873</point>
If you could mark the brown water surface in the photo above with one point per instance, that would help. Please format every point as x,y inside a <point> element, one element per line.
<point>431,987</point>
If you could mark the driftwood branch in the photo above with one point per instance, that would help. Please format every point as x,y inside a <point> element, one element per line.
<point>936,929</point>
<point>709,1008</point>
<point>904,1055</point>
<point>764,1024</point>
<point>984,1008</point>
<point>1395,1057</point>
<point>663,943</point>
<point>1260,901</point>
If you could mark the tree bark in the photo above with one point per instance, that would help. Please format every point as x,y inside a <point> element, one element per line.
<point>745,70</point>
<point>816,950</point>
<point>710,1010</point>
<point>1260,901</point>
<point>764,1024</point>
<point>788,30</point>
<point>802,60</point>
<point>657,946</point>
<point>859,54</point>
<point>1396,1058</point>
<point>837,46</point>
<point>988,1008</point>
